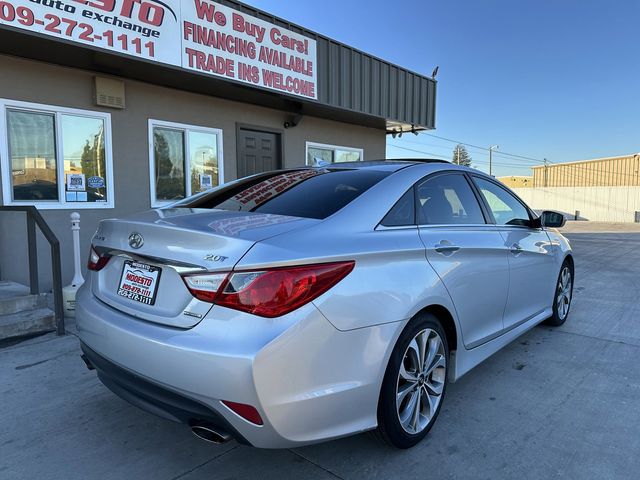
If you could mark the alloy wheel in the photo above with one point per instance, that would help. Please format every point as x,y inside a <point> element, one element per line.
<point>421,381</point>
<point>563,296</point>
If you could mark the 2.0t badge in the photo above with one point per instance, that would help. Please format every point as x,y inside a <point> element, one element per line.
<point>136,240</point>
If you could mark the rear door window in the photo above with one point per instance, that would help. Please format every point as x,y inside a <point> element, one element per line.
<point>447,200</point>
<point>309,193</point>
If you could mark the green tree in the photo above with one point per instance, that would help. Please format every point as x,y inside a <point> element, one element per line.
<point>89,160</point>
<point>461,156</point>
<point>92,162</point>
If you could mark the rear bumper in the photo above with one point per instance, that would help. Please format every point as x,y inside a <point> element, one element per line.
<point>154,398</point>
<point>309,381</point>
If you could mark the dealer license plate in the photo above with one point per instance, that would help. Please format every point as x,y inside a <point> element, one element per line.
<point>139,282</point>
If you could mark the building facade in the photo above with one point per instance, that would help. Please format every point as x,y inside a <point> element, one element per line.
<point>623,171</point>
<point>108,107</point>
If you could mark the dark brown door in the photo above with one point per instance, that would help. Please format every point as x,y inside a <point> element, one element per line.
<point>258,151</point>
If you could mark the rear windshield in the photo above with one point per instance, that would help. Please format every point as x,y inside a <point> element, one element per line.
<point>310,193</point>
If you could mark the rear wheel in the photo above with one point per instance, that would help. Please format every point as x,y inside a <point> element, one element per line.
<point>564,294</point>
<point>414,383</point>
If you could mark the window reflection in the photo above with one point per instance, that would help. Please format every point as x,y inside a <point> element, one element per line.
<point>204,161</point>
<point>84,154</point>
<point>168,146</point>
<point>32,152</point>
<point>347,156</point>
<point>317,156</point>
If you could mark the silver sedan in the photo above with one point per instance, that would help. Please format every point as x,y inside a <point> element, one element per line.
<point>304,305</point>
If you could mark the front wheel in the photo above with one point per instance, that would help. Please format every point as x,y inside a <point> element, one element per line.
<point>564,294</point>
<point>414,383</point>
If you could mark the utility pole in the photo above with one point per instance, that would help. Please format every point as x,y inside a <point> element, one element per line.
<point>491,158</point>
<point>458,155</point>
<point>546,164</point>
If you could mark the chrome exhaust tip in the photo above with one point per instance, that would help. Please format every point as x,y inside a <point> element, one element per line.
<point>210,434</point>
<point>87,362</point>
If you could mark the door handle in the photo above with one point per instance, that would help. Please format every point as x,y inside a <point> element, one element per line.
<point>446,248</point>
<point>515,249</point>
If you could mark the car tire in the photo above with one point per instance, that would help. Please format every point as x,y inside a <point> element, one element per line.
<point>413,389</point>
<point>563,296</point>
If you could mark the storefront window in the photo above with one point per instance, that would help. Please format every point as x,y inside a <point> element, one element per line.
<point>168,149</point>
<point>55,157</point>
<point>85,163</point>
<point>186,160</point>
<point>204,161</point>
<point>32,149</point>
<point>319,154</point>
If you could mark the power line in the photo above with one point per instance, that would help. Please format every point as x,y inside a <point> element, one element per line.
<point>499,152</point>
<point>495,152</point>
<point>468,145</point>
<point>445,158</point>
<point>537,160</point>
<point>573,167</point>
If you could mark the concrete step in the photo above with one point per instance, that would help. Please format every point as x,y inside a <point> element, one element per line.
<point>9,306</point>
<point>10,289</point>
<point>38,320</point>
<point>15,298</point>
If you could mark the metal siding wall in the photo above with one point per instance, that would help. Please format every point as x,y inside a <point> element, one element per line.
<point>384,88</point>
<point>366,86</point>
<point>402,84</point>
<point>345,74</point>
<point>334,74</point>
<point>432,101</point>
<point>611,172</point>
<point>374,82</point>
<point>359,82</point>
<point>356,72</point>
<point>393,86</point>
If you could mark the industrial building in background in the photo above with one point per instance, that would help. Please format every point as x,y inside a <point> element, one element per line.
<point>602,189</point>
<point>620,171</point>
<point>517,181</point>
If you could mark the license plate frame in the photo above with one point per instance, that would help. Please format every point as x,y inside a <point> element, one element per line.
<point>139,282</point>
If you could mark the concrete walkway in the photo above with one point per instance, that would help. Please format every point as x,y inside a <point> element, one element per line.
<point>561,403</point>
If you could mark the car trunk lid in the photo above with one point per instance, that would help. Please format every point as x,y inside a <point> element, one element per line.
<point>146,283</point>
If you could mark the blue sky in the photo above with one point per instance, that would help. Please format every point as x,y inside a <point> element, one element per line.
<point>550,78</point>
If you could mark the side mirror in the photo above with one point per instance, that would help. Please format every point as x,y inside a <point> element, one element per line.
<point>552,219</point>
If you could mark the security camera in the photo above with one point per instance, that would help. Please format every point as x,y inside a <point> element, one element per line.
<point>295,120</point>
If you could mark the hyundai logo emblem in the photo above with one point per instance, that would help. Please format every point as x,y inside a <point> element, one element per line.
<point>136,240</point>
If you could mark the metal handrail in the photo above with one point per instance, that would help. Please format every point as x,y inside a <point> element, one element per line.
<point>35,218</point>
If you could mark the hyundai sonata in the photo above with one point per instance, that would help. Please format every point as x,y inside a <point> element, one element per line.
<point>307,304</point>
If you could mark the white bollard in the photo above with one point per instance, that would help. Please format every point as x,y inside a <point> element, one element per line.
<point>69,292</point>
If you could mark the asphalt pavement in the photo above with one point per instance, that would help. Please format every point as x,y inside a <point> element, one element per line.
<point>556,403</point>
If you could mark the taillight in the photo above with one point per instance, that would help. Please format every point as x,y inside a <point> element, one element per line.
<point>270,292</point>
<point>97,261</point>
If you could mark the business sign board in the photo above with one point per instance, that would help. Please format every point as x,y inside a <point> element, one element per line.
<point>196,35</point>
